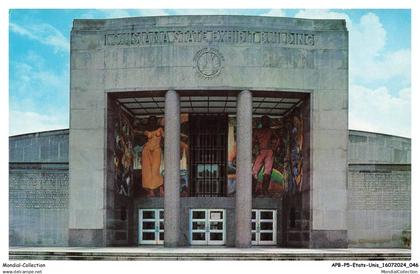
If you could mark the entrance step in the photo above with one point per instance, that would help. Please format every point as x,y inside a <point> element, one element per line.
<point>160,253</point>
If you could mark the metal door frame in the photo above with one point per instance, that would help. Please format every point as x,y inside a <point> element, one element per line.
<point>258,230</point>
<point>157,229</point>
<point>207,231</point>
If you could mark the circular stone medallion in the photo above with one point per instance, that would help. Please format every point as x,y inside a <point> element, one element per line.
<point>208,62</point>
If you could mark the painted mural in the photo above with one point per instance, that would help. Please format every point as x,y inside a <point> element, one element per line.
<point>231,159</point>
<point>277,155</point>
<point>123,155</point>
<point>184,150</point>
<point>148,156</point>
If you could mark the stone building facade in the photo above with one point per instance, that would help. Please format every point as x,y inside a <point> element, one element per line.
<point>125,70</point>
<point>208,130</point>
<point>379,184</point>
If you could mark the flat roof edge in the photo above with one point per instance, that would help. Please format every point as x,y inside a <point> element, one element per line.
<point>210,20</point>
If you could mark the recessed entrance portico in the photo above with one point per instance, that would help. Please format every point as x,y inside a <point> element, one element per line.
<point>207,164</point>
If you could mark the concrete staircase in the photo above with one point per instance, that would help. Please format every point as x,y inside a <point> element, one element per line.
<point>159,253</point>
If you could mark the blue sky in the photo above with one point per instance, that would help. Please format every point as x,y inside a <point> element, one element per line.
<point>380,64</point>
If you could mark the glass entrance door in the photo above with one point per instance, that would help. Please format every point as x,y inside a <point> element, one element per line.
<point>151,230</point>
<point>207,226</point>
<point>264,227</point>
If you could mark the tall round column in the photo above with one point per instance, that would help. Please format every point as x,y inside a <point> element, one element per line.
<point>243,201</point>
<point>172,176</point>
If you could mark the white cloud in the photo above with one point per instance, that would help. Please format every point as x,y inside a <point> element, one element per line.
<point>386,67</point>
<point>374,109</point>
<point>38,98</point>
<point>21,122</point>
<point>105,13</point>
<point>43,33</point>
<point>323,14</point>
<point>368,37</point>
<point>369,60</point>
<point>378,111</point>
<point>151,12</point>
<point>210,12</point>
<point>113,13</point>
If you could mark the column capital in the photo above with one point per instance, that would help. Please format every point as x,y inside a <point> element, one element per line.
<point>245,91</point>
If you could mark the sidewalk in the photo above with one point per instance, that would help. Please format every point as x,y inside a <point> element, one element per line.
<point>204,253</point>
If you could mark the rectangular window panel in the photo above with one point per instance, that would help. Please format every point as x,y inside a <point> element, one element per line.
<point>148,236</point>
<point>199,215</point>
<point>148,225</point>
<point>147,214</point>
<point>266,236</point>
<point>199,226</point>
<point>199,236</point>
<point>216,236</point>
<point>216,215</point>
<point>216,225</point>
<point>266,215</point>
<point>266,226</point>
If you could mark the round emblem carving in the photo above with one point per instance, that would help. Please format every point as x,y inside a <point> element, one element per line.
<point>208,62</point>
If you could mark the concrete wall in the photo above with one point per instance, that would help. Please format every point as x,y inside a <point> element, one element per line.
<point>119,55</point>
<point>374,148</point>
<point>38,189</point>
<point>379,190</point>
<point>40,147</point>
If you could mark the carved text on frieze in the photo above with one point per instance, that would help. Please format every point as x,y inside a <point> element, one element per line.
<point>160,37</point>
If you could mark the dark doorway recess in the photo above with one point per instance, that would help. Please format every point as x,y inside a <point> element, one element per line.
<point>208,150</point>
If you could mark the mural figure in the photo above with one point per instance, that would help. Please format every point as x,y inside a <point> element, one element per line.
<point>277,155</point>
<point>123,156</point>
<point>268,142</point>
<point>231,158</point>
<point>296,152</point>
<point>151,158</point>
<point>148,150</point>
<point>184,151</point>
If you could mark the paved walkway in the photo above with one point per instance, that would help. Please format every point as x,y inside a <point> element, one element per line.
<point>205,253</point>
